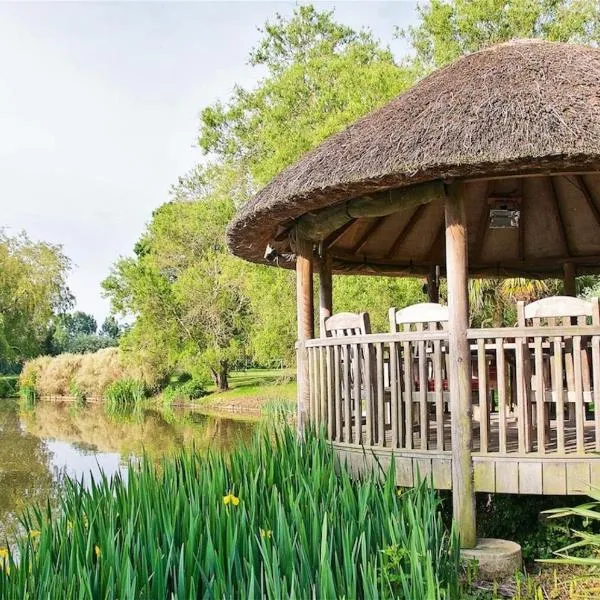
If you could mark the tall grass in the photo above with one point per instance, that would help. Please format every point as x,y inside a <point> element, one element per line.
<point>276,520</point>
<point>123,396</point>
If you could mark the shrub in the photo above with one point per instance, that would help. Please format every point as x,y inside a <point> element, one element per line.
<point>276,520</point>
<point>522,519</point>
<point>124,395</point>
<point>186,391</point>
<point>8,387</point>
<point>585,550</point>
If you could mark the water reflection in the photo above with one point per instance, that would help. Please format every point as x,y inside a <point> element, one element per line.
<point>38,448</point>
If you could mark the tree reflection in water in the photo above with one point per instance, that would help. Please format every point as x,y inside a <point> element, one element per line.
<point>37,448</point>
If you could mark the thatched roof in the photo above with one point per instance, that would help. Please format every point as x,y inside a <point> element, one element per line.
<point>520,108</point>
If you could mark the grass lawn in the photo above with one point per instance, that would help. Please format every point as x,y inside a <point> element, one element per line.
<point>253,388</point>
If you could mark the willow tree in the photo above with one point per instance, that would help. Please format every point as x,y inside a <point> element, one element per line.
<point>33,290</point>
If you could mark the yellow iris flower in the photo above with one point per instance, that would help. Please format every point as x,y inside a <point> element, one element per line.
<point>231,499</point>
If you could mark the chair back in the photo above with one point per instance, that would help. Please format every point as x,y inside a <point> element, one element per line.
<point>558,311</point>
<point>346,324</point>
<point>424,316</point>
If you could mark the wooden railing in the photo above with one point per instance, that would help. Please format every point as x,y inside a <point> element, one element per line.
<point>534,390</point>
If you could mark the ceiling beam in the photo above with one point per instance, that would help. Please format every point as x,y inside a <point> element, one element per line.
<point>559,217</point>
<point>405,230</point>
<point>368,234</point>
<point>583,188</point>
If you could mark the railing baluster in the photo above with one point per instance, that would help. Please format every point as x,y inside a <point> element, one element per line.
<point>423,389</point>
<point>357,407</point>
<point>579,407</point>
<point>366,349</point>
<point>540,396</point>
<point>322,389</point>
<point>394,389</point>
<point>501,370</point>
<point>330,394</point>
<point>408,394</point>
<point>311,386</point>
<point>439,394</point>
<point>558,391</point>
<point>380,397</point>
<point>347,395</point>
<point>484,411</point>
<point>338,393</point>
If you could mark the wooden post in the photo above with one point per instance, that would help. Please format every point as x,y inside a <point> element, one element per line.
<point>569,279</point>
<point>463,494</point>
<point>325,289</point>
<point>306,328</point>
<point>433,285</point>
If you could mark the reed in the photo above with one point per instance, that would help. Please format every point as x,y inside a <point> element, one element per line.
<point>274,520</point>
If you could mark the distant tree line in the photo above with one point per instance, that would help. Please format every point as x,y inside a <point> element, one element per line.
<point>200,310</point>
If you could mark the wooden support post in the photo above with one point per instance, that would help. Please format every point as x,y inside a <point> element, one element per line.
<point>306,328</point>
<point>463,494</point>
<point>433,285</point>
<point>569,279</point>
<point>325,289</point>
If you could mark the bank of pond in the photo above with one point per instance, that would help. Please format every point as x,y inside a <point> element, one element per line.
<point>187,505</point>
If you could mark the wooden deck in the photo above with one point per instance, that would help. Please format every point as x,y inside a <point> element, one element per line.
<point>509,472</point>
<point>535,394</point>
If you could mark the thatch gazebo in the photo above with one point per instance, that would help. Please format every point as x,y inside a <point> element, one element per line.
<point>488,167</point>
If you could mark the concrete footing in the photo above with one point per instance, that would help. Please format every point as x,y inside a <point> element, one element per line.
<point>497,559</point>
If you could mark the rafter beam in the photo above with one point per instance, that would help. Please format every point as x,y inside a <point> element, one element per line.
<point>405,230</point>
<point>559,218</point>
<point>582,186</point>
<point>368,234</point>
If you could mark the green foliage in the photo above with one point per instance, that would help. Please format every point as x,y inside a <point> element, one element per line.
<point>521,519</point>
<point>33,290</point>
<point>276,520</point>
<point>185,391</point>
<point>77,333</point>
<point>586,549</point>
<point>124,395</point>
<point>28,395</point>
<point>321,76</point>
<point>183,285</point>
<point>77,391</point>
<point>449,29</point>
<point>9,386</point>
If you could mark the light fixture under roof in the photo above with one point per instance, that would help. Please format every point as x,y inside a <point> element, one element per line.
<point>504,215</point>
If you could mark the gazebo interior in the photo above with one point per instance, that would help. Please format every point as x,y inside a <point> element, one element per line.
<point>487,168</point>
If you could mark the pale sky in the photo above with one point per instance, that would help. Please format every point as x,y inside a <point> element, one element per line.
<point>99,107</point>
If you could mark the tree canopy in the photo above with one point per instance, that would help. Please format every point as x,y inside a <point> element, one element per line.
<point>33,290</point>
<point>196,305</point>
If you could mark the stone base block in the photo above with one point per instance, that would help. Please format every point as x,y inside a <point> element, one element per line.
<point>497,559</point>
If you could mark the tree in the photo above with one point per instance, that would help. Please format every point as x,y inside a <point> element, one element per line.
<point>449,29</point>
<point>321,76</point>
<point>77,333</point>
<point>190,305</point>
<point>33,290</point>
<point>111,328</point>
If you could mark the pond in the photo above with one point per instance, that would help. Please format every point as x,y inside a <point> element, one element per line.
<point>38,448</point>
